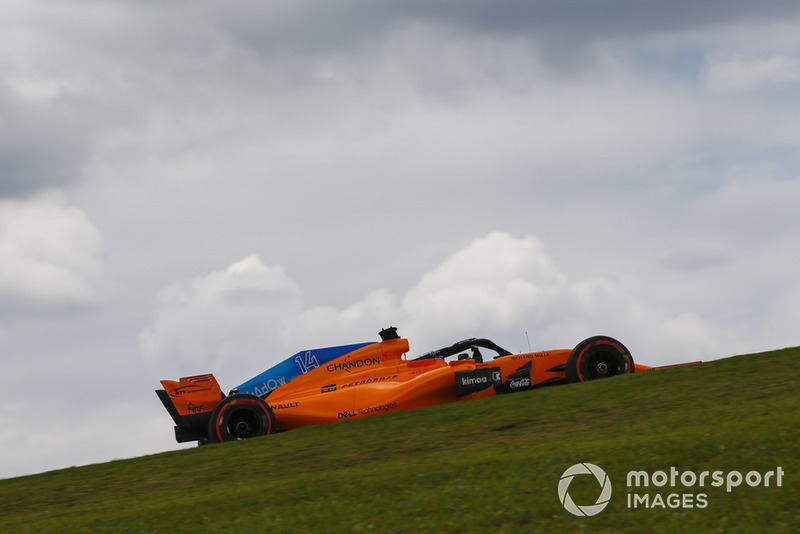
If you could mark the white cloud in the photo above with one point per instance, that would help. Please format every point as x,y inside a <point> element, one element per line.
<point>50,253</point>
<point>205,323</point>
<point>503,287</point>
<point>492,284</point>
<point>99,434</point>
<point>739,73</point>
<point>250,316</point>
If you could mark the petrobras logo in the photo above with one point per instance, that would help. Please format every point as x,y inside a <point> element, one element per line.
<point>589,509</point>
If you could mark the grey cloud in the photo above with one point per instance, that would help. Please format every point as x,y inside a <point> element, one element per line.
<point>365,146</point>
<point>330,25</point>
<point>39,147</point>
<point>172,58</point>
<point>695,260</point>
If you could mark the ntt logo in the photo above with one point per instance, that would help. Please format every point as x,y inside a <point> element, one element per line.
<point>584,469</point>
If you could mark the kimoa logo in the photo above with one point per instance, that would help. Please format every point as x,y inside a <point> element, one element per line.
<point>584,469</point>
<point>474,380</point>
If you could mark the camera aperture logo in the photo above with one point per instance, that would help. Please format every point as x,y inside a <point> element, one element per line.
<point>602,500</point>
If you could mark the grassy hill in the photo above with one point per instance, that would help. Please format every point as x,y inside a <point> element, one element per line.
<point>490,465</point>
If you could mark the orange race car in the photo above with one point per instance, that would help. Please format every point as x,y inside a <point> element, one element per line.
<point>352,381</point>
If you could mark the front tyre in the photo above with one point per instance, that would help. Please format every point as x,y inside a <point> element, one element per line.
<point>598,357</point>
<point>240,416</point>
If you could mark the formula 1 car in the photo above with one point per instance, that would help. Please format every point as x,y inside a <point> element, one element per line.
<point>352,381</point>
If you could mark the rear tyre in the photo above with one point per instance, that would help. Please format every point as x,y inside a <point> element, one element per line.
<point>240,416</point>
<point>598,357</point>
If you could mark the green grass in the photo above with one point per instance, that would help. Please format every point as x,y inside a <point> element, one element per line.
<point>489,465</point>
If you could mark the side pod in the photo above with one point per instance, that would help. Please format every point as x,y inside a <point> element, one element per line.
<point>190,402</point>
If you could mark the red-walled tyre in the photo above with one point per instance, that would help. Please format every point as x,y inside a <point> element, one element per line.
<point>240,416</point>
<point>598,357</point>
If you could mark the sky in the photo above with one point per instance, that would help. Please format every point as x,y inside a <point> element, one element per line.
<point>212,186</point>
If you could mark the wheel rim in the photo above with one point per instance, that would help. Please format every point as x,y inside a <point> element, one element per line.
<point>602,364</point>
<point>243,424</point>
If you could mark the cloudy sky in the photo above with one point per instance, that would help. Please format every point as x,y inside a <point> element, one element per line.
<point>214,185</point>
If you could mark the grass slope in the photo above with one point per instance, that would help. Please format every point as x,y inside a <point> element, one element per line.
<point>490,465</point>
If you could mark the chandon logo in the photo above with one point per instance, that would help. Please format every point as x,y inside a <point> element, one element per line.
<point>347,364</point>
<point>584,469</point>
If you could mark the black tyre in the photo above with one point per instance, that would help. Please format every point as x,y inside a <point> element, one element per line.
<point>240,416</point>
<point>598,357</point>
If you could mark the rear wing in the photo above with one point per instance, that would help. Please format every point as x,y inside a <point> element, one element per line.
<point>190,402</point>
